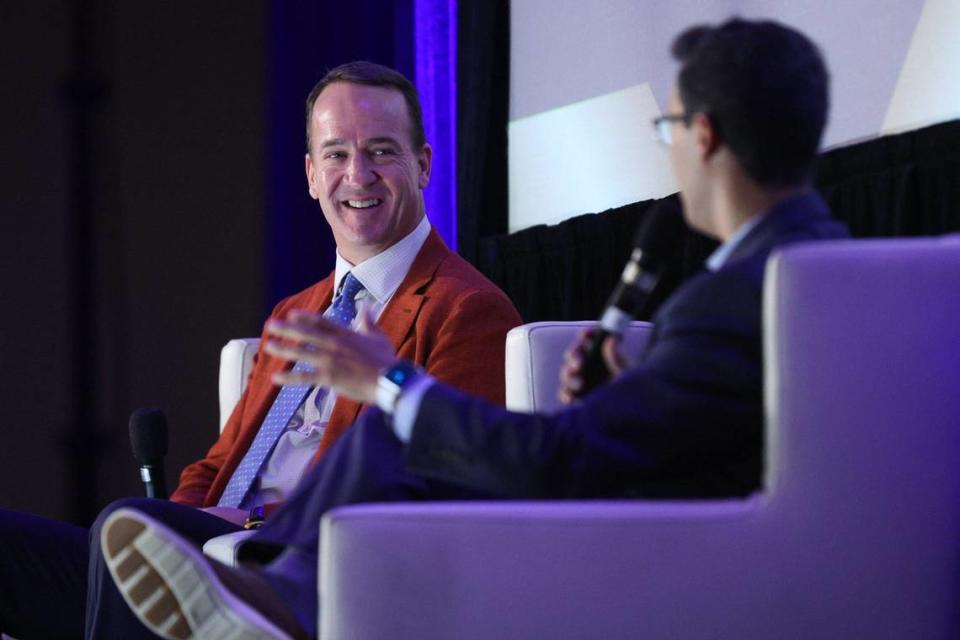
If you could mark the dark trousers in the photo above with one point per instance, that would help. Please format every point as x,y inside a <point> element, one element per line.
<point>366,465</point>
<point>53,580</point>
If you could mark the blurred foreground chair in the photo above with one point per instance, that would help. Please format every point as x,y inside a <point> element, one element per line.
<point>856,533</point>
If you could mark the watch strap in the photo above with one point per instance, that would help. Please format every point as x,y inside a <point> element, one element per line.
<point>392,381</point>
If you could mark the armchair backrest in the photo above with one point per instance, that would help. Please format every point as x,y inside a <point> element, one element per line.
<point>534,354</point>
<point>236,361</point>
<point>862,385</point>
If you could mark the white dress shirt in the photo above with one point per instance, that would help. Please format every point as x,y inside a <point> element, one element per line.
<point>722,253</point>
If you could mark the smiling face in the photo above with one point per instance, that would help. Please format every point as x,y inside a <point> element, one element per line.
<point>363,168</point>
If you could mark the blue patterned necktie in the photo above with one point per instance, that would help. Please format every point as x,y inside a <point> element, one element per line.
<point>342,311</point>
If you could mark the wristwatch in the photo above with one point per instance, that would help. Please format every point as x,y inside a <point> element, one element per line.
<point>391,382</point>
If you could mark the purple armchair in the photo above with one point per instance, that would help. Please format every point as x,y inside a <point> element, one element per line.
<point>855,535</point>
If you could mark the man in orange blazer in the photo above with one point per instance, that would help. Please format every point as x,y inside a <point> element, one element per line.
<point>445,317</point>
<point>367,163</point>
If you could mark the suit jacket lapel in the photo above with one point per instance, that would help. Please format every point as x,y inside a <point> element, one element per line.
<point>789,214</point>
<point>395,321</point>
<point>404,306</point>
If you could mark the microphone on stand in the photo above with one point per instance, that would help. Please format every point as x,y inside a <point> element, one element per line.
<point>656,244</point>
<point>148,439</point>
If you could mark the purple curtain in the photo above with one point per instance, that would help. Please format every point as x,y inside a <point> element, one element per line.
<point>435,46</point>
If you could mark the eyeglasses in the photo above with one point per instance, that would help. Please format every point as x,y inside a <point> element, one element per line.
<point>661,126</point>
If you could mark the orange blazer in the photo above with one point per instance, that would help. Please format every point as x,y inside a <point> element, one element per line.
<point>445,316</point>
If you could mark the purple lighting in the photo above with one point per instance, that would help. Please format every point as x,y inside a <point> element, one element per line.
<point>435,50</point>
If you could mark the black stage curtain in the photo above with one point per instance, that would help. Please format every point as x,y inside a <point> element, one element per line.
<point>901,185</point>
<point>483,76</point>
<point>566,271</point>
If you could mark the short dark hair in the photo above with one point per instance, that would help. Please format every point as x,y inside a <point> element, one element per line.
<point>373,75</point>
<point>765,87</point>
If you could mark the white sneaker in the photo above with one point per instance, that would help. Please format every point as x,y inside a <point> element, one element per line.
<point>179,594</point>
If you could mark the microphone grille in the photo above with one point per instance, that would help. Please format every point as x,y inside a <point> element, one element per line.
<point>148,435</point>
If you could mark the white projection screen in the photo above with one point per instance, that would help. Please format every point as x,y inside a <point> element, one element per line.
<point>587,77</point>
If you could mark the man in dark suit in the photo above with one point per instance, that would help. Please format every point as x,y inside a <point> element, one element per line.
<point>743,125</point>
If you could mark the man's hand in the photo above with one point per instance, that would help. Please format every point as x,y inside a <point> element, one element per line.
<point>571,373</point>
<point>347,361</point>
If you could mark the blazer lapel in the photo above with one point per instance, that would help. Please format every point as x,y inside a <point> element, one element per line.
<point>404,307</point>
<point>395,321</point>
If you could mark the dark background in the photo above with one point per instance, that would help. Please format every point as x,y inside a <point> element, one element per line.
<point>153,206</point>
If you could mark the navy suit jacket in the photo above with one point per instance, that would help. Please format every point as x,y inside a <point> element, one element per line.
<point>686,421</point>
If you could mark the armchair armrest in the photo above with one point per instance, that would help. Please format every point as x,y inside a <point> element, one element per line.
<point>224,548</point>
<point>577,569</point>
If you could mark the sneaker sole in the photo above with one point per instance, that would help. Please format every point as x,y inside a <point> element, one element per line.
<point>170,586</point>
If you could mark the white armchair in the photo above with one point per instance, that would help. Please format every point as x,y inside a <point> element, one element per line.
<point>855,534</point>
<point>534,354</point>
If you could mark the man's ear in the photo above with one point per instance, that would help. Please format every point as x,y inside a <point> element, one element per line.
<point>308,167</point>
<point>706,135</point>
<point>425,162</point>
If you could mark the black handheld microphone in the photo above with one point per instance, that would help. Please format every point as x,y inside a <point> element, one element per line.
<point>656,243</point>
<point>148,439</point>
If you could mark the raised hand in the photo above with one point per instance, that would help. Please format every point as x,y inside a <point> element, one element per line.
<point>347,361</point>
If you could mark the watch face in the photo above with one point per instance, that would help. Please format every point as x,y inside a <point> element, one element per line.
<point>400,373</point>
<point>391,382</point>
